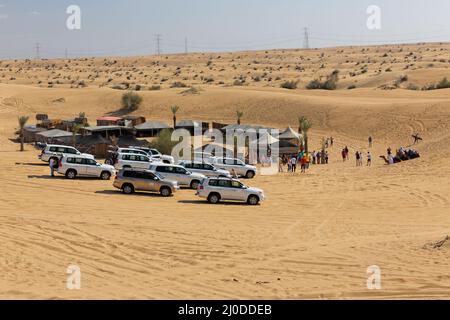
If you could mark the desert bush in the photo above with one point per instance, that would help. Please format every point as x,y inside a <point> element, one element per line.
<point>131,101</point>
<point>443,84</point>
<point>178,84</point>
<point>329,84</point>
<point>413,87</point>
<point>291,85</point>
<point>155,87</point>
<point>351,87</point>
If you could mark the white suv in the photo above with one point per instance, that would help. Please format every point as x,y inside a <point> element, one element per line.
<point>217,189</point>
<point>156,156</point>
<point>73,166</point>
<point>131,160</point>
<point>204,168</point>
<point>238,166</point>
<point>178,174</point>
<point>55,152</point>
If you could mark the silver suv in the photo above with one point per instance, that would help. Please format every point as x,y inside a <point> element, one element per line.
<point>129,181</point>
<point>204,168</point>
<point>236,167</point>
<point>178,174</point>
<point>56,152</point>
<point>217,189</point>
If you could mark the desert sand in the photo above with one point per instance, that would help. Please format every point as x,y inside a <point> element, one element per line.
<point>315,235</point>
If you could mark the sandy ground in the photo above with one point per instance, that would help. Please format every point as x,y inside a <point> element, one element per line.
<point>313,238</point>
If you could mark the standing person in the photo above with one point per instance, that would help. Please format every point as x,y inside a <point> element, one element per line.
<point>318,157</point>
<point>344,156</point>
<point>314,157</point>
<point>52,164</point>
<point>357,156</point>
<point>370,142</point>
<point>361,159</point>
<point>294,164</point>
<point>326,157</point>
<point>346,153</point>
<point>280,164</point>
<point>332,141</point>
<point>369,159</point>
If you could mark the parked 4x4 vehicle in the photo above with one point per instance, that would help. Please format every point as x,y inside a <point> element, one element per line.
<point>238,166</point>
<point>73,166</point>
<point>204,168</point>
<point>55,152</point>
<point>131,160</point>
<point>217,189</point>
<point>129,181</point>
<point>156,156</point>
<point>178,174</point>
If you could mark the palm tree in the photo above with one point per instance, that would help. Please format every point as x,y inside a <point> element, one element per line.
<point>303,127</point>
<point>174,110</point>
<point>239,115</point>
<point>22,122</point>
<point>75,129</point>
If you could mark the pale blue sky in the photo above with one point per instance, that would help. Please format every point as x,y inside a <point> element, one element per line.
<point>128,27</point>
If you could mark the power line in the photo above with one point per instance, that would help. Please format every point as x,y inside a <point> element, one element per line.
<point>306,39</point>
<point>38,51</point>
<point>158,44</point>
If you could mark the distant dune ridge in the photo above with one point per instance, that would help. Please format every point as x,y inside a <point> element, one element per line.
<point>316,234</point>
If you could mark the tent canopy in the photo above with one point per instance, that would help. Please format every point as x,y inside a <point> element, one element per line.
<point>289,133</point>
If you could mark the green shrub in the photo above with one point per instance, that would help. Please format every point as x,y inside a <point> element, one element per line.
<point>443,84</point>
<point>164,142</point>
<point>131,101</point>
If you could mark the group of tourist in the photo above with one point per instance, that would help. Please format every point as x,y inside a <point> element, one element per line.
<point>302,160</point>
<point>360,158</point>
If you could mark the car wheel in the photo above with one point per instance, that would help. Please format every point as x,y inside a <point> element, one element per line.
<point>250,175</point>
<point>253,200</point>
<point>214,198</point>
<point>195,184</point>
<point>105,175</point>
<point>165,192</point>
<point>127,189</point>
<point>71,174</point>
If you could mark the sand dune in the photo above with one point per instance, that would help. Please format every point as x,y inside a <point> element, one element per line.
<point>313,238</point>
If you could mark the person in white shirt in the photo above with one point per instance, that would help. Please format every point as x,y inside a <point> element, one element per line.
<point>369,159</point>
<point>294,164</point>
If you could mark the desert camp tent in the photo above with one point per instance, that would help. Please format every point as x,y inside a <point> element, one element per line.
<point>289,134</point>
<point>109,131</point>
<point>150,129</point>
<point>192,126</point>
<point>286,147</point>
<point>30,132</point>
<point>54,136</point>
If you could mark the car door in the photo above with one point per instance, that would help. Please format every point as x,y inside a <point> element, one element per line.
<point>143,162</point>
<point>208,170</point>
<point>224,188</point>
<point>237,191</point>
<point>149,182</point>
<point>92,168</point>
<point>183,176</point>
<point>79,166</point>
<point>239,166</point>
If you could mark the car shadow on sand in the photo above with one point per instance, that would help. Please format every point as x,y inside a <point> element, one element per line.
<point>136,194</point>
<point>228,203</point>
<point>61,177</point>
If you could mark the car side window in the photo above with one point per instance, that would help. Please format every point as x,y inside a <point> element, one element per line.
<point>125,157</point>
<point>180,170</point>
<point>70,160</point>
<point>144,159</point>
<point>224,183</point>
<point>79,161</point>
<point>132,157</point>
<point>197,166</point>
<point>208,167</point>
<point>71,151</point>
<point>161,169</point>
<point>188,165</point>
<point>61,150</point>
<point>236,184</point>
<point>148,175</point>
<point>53,149</point>
<point>238,162</point>
<point>213,183</point>
<point>129,174</point>
<point>90,162</point>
